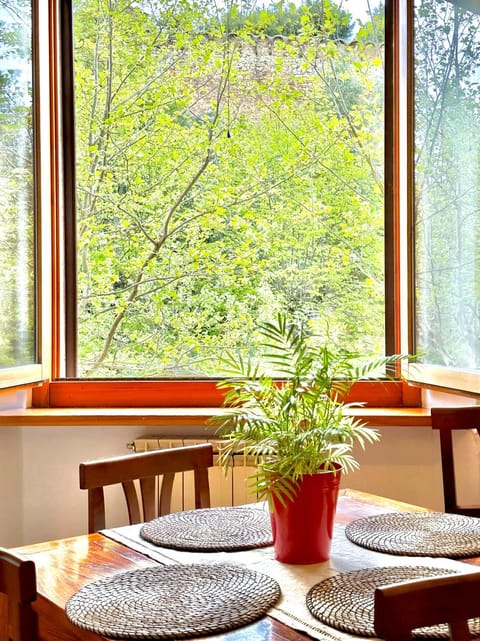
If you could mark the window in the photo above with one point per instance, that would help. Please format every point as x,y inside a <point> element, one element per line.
<point>123,188</point>
<point>19,341</point>
<point>229,164</point>
<point>447,190</point>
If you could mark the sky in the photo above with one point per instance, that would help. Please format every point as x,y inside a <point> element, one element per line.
<point>359,8</point>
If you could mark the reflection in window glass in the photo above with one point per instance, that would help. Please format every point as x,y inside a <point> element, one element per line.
<point>447,148</point>
<point>17,286</point>
<point>229,166</point>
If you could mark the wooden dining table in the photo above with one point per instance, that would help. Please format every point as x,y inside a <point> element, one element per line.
<point>64,566</point>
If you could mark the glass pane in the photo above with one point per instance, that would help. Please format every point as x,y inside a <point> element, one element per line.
<point>229,166</point>
<point>447,177</point>
<point>17,244</point>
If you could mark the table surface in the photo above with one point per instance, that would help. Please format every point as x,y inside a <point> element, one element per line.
<point>64,566</point>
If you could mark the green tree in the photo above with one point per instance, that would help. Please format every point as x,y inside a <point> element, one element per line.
<point>220,181</point>
<point>447,223</point>
<point>17,320</point>
<point>373,30</point>
<point>324,17</point>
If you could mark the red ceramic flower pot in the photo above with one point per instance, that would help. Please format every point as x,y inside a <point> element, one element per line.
<point>303,528</point>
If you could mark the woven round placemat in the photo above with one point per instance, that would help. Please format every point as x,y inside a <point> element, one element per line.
<point>433,534</point>
<point>213,529</point>
<point>346,601</point>
<point>173,601</point>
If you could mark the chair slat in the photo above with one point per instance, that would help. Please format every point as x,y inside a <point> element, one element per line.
<point>446,420</point>
<point>131,498</point>
<point>148,488</point>
<point>451,599</point>
<point>165,497</point>
<point>202,489</point>
<point>145,468</point>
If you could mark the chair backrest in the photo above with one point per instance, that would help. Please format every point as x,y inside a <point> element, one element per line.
<point>451,599</point>
<point>18,589</point>
<point>145,467</point>
<point>447,419</point>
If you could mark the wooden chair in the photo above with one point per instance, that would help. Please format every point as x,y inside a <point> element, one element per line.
<point>18,589</point>
<point>449,599</point>
<point>145,467</point>
<point>447,419</point>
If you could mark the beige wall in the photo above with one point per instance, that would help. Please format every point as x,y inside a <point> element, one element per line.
<point>39,474</point>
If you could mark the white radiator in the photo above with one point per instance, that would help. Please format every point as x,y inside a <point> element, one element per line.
<point>230,489</point>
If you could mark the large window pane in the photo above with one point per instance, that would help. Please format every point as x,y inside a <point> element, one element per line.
<point>447,178</point>
<point>17,248</point>
<point>229,166</point>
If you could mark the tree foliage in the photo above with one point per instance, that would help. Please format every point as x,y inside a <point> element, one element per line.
<point>447,223</point>
<point>220,181</point>
<point>17,249</point>
<point>302,425</point>
<point>322,17</point>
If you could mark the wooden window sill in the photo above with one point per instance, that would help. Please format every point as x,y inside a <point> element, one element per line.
<point>183,416</point>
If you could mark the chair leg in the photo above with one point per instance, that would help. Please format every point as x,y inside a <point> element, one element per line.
<point>448,470</point>
<point>448,475</point>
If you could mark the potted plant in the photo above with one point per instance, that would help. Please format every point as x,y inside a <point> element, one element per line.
<point>287,411</point>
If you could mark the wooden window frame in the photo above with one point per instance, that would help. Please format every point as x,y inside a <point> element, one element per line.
<point>432,377</point>
<point>185,393</point>
<point>38,371</point>
<point>399,207</point>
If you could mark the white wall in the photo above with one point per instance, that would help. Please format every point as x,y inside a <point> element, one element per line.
<point>41,499</point>
<point>53,505</point>
<point>405,465</point>
<point>11,476</point>
<point>11,487</point>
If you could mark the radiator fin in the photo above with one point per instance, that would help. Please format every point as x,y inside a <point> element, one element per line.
<point>227,489</point>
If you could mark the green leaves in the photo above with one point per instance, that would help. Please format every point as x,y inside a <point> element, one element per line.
<point>186,236</point>
<point>294,425</point>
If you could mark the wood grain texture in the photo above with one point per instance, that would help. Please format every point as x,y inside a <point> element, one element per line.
<point>195,417</point>
<point>64,566</point>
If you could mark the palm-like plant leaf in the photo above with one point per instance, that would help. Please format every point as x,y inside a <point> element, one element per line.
<point>298,425</point>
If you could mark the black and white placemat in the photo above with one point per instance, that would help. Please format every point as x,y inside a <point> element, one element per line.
<point>434,534</point>
<point>346,601</point>
<point>295,580</point>
<point>173,601</point>
<point>213,529</point>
